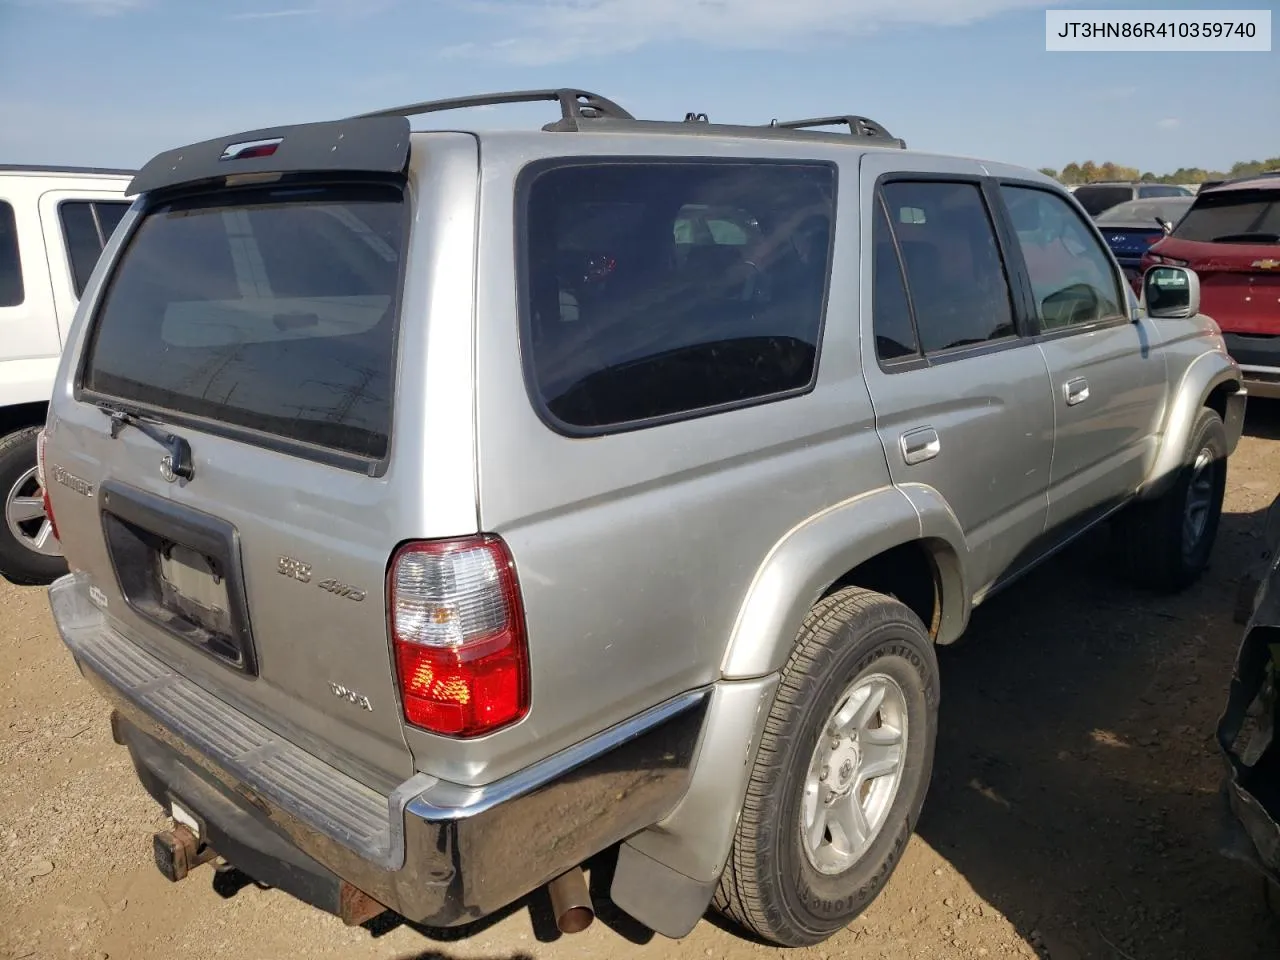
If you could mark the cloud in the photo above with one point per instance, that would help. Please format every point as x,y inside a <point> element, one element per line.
<point>275,14</point>
<point>1116,93</point>
<point>98,8</point>
<point>1169,123</point>
<point>550,31</point>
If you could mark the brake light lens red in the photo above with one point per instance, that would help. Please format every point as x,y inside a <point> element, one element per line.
<point>458,630</point>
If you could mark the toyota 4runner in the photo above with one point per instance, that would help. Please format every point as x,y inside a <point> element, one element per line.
<point>446,508</point>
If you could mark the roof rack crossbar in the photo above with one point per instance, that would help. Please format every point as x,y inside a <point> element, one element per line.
<point>574,104</point>
<point>858,126</point>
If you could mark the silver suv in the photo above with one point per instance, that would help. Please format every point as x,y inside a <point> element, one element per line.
<point>446,508</point>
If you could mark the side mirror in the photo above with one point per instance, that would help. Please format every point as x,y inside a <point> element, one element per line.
<point>1171,293</point>
<point>1165,225</point>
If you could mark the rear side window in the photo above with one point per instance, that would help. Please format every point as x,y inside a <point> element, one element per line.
<point>1161,191</point>
<point>272,310</point>
<point>11,290</point>
<point>1096,199</point>
<point>664,289</point>
<point>955,273</point>
<point>1233,216</point>
<point>890,309</point>
<point>87,226</point>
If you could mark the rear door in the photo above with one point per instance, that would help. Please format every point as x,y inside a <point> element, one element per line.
<point>961,398</point>
<point>77,225</point>
<point>1108,383</point>
<point>29,341</point>
<point>258,326</point>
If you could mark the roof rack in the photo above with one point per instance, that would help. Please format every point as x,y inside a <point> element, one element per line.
<point>584,111</point>
<point>858,126</point>
<point>574,104</point>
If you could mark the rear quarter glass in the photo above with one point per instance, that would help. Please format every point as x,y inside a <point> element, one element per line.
<point>269,310</point>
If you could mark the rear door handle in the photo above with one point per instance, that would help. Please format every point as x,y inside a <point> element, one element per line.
<point>1077,391</point>
<point>920,445</point>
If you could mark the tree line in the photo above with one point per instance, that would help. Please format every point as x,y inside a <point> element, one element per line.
<point>1090,172</point>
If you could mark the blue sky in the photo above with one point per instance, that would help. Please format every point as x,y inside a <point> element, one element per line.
<point>111,82</point>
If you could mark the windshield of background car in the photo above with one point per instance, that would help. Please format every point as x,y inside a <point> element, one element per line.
<point>272,310</point>
<point>1233,216</point>
<point>1145,211</point>
<point>1096,199</point>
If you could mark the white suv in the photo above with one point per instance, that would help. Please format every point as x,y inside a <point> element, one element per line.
<point>54,222</point>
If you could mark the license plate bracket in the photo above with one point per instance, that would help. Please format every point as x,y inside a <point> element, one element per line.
<point>179,569</point>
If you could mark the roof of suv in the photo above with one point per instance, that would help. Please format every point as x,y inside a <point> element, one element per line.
<point>46,170</point>
<point>1261,182</point>
<point>378,141</point>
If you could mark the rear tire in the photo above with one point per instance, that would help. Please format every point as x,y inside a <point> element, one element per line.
<point>21,559</point>
<point>789,879</point>
<point>1165,543</point>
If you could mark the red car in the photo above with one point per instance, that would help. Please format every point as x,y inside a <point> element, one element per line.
<point>1231,238</point>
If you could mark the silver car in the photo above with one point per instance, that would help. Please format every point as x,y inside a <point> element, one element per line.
<point>446,508</point>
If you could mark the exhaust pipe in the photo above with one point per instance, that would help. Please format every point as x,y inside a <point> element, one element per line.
<point>571,901</point>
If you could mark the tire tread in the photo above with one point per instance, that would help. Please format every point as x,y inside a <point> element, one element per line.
<point>738,894</point>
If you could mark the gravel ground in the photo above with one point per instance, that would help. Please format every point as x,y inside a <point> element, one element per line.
<point>1073,812</point>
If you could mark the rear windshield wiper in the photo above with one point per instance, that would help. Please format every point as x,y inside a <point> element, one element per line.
<point>178,462</point>
<point>1248,238</point>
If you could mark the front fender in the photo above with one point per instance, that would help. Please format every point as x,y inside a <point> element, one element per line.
<point>1205,373</point>
<point>820,550</point>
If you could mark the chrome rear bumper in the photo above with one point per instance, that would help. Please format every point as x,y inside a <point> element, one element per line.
<point>438,853</point>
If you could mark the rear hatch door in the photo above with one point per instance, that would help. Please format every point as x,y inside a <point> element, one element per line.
<point>1231,238</point>
<point>246,340</point>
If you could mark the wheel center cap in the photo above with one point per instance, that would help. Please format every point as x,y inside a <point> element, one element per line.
<point>844,760</point>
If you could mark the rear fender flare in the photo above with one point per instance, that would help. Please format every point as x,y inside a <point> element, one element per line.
<point>817,552</point>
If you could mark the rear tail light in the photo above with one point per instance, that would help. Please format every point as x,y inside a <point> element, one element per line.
<point>42,440</point>
<point>458,630</point>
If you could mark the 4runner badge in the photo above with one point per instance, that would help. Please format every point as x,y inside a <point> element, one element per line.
<point>359,699</point>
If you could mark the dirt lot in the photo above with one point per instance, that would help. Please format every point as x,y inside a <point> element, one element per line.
<point>1073,813</point>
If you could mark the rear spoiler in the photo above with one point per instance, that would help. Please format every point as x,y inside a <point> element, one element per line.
<point>356,145</point>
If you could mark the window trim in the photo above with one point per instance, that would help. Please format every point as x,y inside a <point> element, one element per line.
<point>912,361</point>
<point>315,453</point>
<point>528,175</point>
<point>1037,334</point>
<point>17,256</point>
<point>103,238</point>
<point>1018,302</point>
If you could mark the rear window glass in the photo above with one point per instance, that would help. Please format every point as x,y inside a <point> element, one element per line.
<point>1145,212</point>
<point>11,291</point>
<point>87,226</point>
<point>1233,216</point>
<point>272,310</point>
<point>1161,191</point>
<point>661,289</point>
<point>1096,199</point>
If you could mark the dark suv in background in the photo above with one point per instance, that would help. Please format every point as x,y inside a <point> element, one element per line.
<point>1097,197</point>
<point>1231,238</point>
